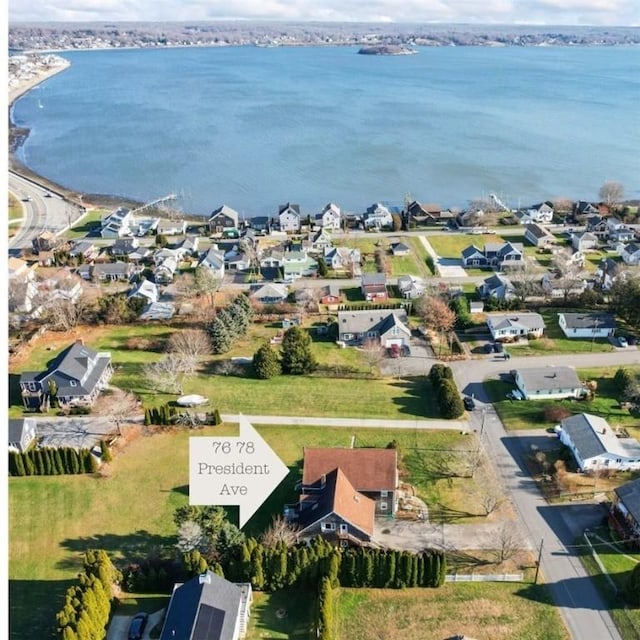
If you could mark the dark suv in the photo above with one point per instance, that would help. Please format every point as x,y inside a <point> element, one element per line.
<point>136,628</point>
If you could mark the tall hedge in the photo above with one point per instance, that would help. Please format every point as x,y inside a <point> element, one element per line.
<point>449,400</point>
<point>50,461</point>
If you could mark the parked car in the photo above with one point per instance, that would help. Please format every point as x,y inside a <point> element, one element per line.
<point>137,626</point>
<point>498,347</point>
<point>488,348</point>
<point>622,341</point>
<point>394,351</point>
<point>469,403</point>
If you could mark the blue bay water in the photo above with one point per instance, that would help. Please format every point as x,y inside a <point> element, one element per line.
<point>258,127</point>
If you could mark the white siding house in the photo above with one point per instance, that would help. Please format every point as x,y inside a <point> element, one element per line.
<point>543,383</point>
<point>595,446</point>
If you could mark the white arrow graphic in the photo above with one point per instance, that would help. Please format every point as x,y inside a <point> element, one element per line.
<point>241,471</point>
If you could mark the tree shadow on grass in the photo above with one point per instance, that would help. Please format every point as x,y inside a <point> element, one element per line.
<point>418,398</point>
<point>33,605</point>
<point>131,547</point>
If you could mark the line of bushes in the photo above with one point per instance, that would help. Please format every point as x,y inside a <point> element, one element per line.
<point>449,401</point>
<point>52,461</point>
<point>87,605</point>
<point>167,414</point>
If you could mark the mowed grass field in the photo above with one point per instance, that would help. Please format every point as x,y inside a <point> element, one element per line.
<point>128,509</point>
<point>367,396</point>
<point>500,611</point>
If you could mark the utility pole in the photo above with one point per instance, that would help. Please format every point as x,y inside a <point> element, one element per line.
<point>535,579</point>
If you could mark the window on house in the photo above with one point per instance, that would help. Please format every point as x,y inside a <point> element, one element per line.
<point>344,544</point>
<point>344,528</point>
<point>328,526</point>
<point>384,494</point>
<point>383,506</point>
<point>72,383</point>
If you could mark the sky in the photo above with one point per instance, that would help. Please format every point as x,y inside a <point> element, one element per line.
<point>543,12</point>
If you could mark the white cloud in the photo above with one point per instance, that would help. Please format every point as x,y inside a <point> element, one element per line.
<point>596,12</point>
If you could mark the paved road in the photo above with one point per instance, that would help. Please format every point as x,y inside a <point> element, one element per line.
<point>583,609</point>
<point>40,212</point>
<point>361,423</point>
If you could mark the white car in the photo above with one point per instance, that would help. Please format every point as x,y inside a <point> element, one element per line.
<point>622,342</point>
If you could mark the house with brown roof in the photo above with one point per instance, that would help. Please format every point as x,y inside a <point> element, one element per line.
<point>343,490</point>
<point>374,287</point>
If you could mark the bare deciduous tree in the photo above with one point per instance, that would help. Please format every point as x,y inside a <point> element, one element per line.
<point>491,501</point>
<point>472,460</point>
<point>611,192</point>
<point>373,353</point>
<point>123,406</point>
<point>189,345</point>
<point>207,284</point>
<point>165,375</point>
<point>280,531</point>
<point>190,537</point>
<point>436,315</point>
<point>568,273</point>
<point>525,279</point>
<point>507,543</point>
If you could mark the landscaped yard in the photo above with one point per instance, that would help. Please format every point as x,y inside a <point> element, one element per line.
<point>489,610</point>
<point>127,510</point>
<point>530,414</point>
<point>452,245</point>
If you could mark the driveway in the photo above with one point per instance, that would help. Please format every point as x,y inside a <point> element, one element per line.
<point>446,267</point>
<point>120,625</point>
<point>417,363</point>
<point>77,432</point>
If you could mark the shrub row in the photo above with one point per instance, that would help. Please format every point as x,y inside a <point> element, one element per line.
<point>50,461</point>
<point>449,400</point>
<point>87,605</point>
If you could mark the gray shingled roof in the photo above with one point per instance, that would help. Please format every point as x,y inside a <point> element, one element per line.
<point>581,428</point>
<point>549,378</point>
<point>589,320</point>
<point>629,494</point>
<point>373,320</point>
<point>206,607</point>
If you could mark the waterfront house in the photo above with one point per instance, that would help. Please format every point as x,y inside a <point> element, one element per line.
<point>260,224</point>
<point>384,326</point>
<point>117,224</point>
<point>168,227</point>
<point>378,216</point>
<point>583,208</point>
<point>588,324</point>
<point>541,213</point>
<point>419,214</point>
<point>595,446</point>
<point>511,326</point>
<point>208,607</point>
<point>374,287</point>
<point>544,383</point>
<point>22,433</point>
<point>78,374</point>
<point>330,218</point>
<point>223,219</point>
<point>289,217</point>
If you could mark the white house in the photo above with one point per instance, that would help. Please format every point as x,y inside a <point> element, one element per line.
<point>22,432</point>
<point>587,325</point>
<point>411,286</point>
<point>146,290</point>
<point>595,446</point>
<point>542,212</point>
<point>378,216</point>
<point>214,261</point>
<point>289,217</point>
<point>513,325</point>
<point>117,224</point>
<point>330,217</point>
<point>544,383</point>
<point>584,241</point>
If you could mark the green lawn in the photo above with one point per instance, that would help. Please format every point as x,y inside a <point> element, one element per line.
<point>284,615</point>
<point>88,223</point>
<point>451,246</point>
<point>530,414</point>
<point>53,520</point>
<point>488,610</point>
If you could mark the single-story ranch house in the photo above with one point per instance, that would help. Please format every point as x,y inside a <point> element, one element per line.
<point>513,325</point>
<point>387,326</point>
<point>208,606</point>
<point>542,383</point>
<point>587,325</point>
<point>78,374</point>
<point>595,446</point>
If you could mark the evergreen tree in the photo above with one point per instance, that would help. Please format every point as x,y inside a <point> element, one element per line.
<point>266,363</point>
<point>220,338</point>
<point>257,572</point>
<point>58,462</point>
<point>297,356</point>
